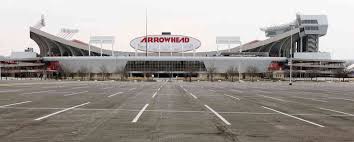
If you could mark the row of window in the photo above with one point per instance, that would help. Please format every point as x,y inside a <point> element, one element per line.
<point>151,66</point>
<point>315,28</point>
<point>309,21</point>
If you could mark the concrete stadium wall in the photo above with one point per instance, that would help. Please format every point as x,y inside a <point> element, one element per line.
<point>112,63</point>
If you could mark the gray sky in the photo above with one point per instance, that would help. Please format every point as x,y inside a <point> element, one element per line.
<point>201,19</point>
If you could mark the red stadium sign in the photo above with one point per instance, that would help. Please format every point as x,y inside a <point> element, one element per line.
<point>165,43</point>
<point>165,40</point>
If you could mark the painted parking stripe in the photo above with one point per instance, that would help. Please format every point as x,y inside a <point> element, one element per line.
<point>341,99</point>
<point>337,111</point>
<point>218,115</point>
<point>195,97</point>
<point>16,104</point>
<point>309,99</point>
<point>37,92</point>
<point>58,112</point>
<point>261,91</point>
<point>115,94</point>
<point>139,114</point>
<point>80,87</point>
<point>169,111</point>
<point>313,123</point>
<point>212,90</point>
<point>232,97</point>
<point>153,96</point>
<point>75,93</point>
<point>107,88</point>
<point>9,91</point>
<point>238,91</point>
<point>272,98</point>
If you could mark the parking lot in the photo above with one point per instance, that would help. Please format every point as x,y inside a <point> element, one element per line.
<point>34,111</point>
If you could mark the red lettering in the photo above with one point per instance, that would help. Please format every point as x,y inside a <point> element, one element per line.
<point>144,40</point>
<point>162,39</point>
<point>173,40</point>
<point>178,40</point>
<point>167,39</point>
<point>150,39</point>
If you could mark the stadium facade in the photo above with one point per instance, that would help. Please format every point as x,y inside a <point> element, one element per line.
<point>177,56</point>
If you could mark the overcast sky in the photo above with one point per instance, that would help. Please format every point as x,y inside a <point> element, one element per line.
<point>125,19</point>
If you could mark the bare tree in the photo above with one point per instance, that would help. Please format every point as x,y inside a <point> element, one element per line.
<point>313,74</point>
<point>252,71</point>
<point>103,71</point>
<point>227,74</point>
<point>89,71</point>
<point>342,73</point>
<point>231,72</point>
<point>190,73</point>
<point>66,70</point>
<point>82,72</point>
<point>122,71</point>
<point>211,72</point>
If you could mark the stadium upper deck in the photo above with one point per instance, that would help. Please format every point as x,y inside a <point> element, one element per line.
<point>304,33</point>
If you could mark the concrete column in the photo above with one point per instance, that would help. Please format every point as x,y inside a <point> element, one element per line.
<point>301,44</point>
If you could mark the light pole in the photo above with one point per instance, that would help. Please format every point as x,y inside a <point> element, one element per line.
<point>146,32</point>
<point>239,64</point>
<point>291,56</point>
<point>0,71</point>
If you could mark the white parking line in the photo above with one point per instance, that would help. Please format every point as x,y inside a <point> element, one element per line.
<point>16,104</point>
<point>309,99</point>
<point>153,96</point>
<point>238,91</point>
<point>80,87</point>
<point>36,92</point>
<point>49,115</point>
<point>132,89</point>
<point>232,97</point>
<point>267,92</point>
<point>50,87</point>
<point>195,97</point>
<point>169,111</point>
<point>313,123</point>
<point>75,93</point>
<point>107,88</point>
<point>337,111</point>
<point>218,115</point>
<point>139,114</point>
<point>272,98</point>
<point>9,91</point>
<point>212,90</point>
<point>341,99</point>
<point>115,94</point>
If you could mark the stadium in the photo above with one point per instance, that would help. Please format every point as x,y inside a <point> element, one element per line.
<point>173,56</point>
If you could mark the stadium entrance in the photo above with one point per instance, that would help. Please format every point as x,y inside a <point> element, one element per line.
<point>165,69</point>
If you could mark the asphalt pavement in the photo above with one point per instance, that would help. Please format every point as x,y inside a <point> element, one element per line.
<point>80,111</point>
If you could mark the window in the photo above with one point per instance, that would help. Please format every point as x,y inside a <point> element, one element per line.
<point>309,21</point>
<point>176,66</point>
<point>312,28</point>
